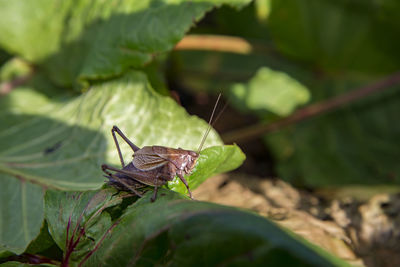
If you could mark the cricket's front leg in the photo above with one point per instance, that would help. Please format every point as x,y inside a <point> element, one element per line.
<point>180,175</point>
<point>154,196</point>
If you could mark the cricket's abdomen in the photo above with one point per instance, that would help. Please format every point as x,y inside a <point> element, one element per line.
<point>135,184</point>
<point>153,177</point>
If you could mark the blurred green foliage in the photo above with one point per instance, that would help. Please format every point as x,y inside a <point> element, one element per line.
<point>331,48</point>
<point>93,64</point>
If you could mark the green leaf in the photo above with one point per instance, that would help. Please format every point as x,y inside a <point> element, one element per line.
<point>174,231</point>
<point>82,39</point>
<point>74,216</point>
<point>21,209</point>
<point>212,160</point>
<point>71,138</point>
<point>61,144</point>
<point>272,91</point>
<point>43,244</point>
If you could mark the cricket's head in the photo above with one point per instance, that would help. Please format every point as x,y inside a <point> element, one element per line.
<point>190,159</point>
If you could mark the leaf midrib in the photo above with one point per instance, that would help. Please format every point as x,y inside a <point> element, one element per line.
<point>48,183</point>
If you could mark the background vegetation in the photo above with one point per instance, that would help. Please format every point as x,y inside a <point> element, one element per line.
<point>313,99</point>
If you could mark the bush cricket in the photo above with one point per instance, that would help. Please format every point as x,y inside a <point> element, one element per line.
<point>153,165</point>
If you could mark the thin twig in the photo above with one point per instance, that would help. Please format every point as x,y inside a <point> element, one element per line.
<point>311,111</point>
<point>215,43</point>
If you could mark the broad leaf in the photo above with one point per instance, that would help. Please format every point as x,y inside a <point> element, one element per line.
<point>82,39</point>
<point>72,138</point>
<point>61,144</point>
<point>174,231</point>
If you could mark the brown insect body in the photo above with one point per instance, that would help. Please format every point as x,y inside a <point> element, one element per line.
<point>151,165</point>
<point>174,161</point>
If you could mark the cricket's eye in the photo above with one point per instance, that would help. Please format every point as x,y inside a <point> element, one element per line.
<point>192,161</point>
<point>193,154</point>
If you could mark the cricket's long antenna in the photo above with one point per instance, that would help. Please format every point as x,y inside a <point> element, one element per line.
<point>211,124</point>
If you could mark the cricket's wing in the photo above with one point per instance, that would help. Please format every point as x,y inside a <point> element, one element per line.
<point>146,159</point>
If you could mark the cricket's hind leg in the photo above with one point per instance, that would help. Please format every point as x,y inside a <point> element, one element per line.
<point>135,148</point>
<point>118,180</point>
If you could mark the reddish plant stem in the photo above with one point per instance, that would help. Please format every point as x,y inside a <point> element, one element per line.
<point>71,247</point>
<point>310,111</point>
<point>68,227</point>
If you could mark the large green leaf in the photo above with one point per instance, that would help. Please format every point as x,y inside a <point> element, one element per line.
<point>72,138</point>
<point>176,232</point>
<point>61,144</point>
<point>86,39</point>
<point>171,231</point>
